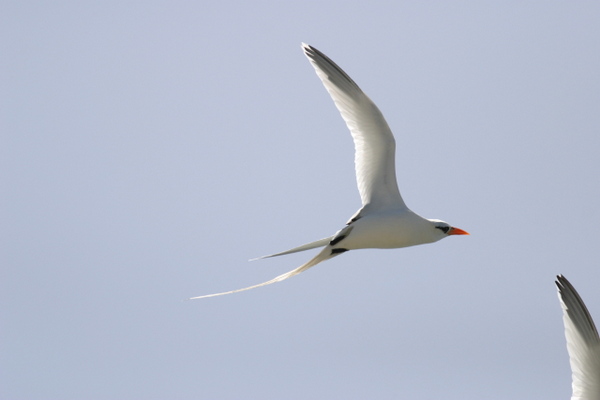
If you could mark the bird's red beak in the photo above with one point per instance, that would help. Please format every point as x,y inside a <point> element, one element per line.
<point>457,231</point>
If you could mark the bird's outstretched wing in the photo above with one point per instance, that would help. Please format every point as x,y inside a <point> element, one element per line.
<point>373,140</point>
<point>583,342</point>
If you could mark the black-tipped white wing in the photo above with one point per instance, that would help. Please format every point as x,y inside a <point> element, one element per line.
<point>583,342</point>
<point>373,140</point>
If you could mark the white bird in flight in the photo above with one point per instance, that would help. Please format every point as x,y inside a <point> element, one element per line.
<point>583,342</point>
<point>383,221</point>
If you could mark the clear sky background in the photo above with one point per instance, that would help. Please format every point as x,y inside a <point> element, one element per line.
<point>149,149</point>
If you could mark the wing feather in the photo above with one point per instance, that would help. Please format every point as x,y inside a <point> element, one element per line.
<point>373,140</point>
<point>583,342</point>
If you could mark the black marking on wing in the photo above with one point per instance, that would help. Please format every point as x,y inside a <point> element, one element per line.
<point>338,251</point>
<point>354,219</point>
<point>337,239</point>
<point>357,215</point>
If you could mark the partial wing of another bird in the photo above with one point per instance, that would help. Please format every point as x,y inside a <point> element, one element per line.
<point>583,342</point>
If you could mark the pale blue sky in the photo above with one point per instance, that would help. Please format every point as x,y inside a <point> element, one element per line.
<point>149,149</point>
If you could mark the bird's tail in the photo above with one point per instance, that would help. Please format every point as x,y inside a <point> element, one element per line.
<point>307,246</point>
<point>325,254</point>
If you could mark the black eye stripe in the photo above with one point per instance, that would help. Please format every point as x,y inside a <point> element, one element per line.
<point>444,229</point>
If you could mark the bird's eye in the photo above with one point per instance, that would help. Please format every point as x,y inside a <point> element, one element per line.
<point>444,229</point>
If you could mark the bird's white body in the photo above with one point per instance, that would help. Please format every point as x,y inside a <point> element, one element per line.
<point>383,221</point>
<point>583,342</point>
<point>379,230</point>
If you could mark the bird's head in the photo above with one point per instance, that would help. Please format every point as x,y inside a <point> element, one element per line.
<point>444,229</point>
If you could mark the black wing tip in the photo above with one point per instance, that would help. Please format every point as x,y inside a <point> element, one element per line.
<point>309,50</point>
<point>574,304</point>
<point>312,51</point>
<point>564,287</point>
<point>322,62</point>
<point>563,284</point>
